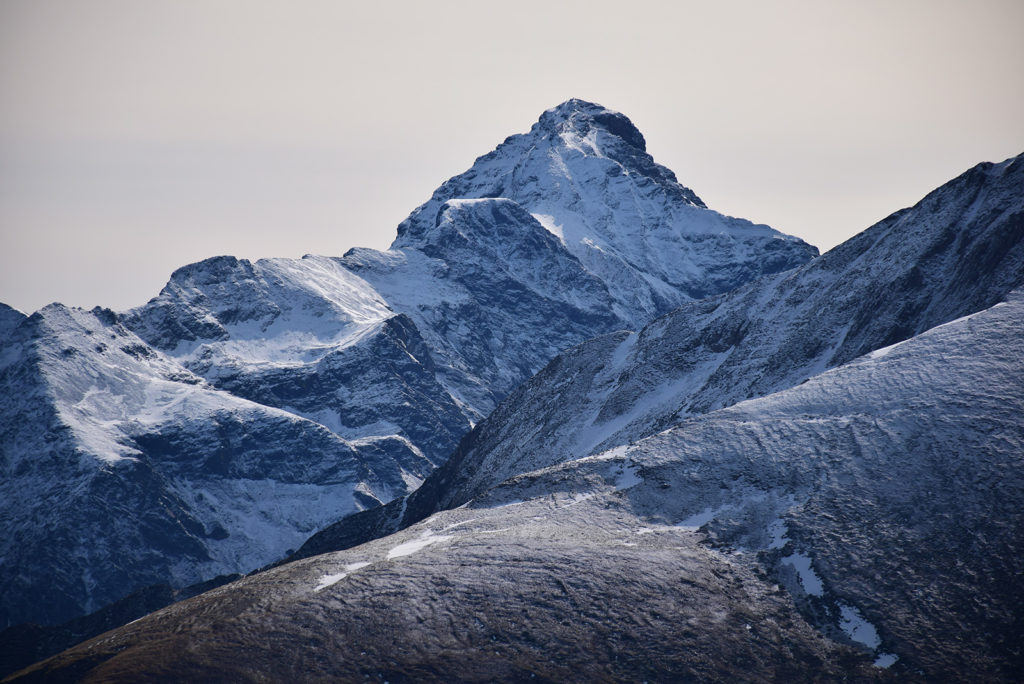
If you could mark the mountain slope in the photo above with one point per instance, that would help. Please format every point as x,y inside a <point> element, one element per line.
<point>122,469</point>
<point>884,496</point>
<point>10,318</point>
<point>494,292</point>
<point>249,404</point>
<point>308,337</point>
<point>957,251</point>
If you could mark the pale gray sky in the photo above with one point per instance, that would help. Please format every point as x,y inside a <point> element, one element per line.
<point>137,136</point>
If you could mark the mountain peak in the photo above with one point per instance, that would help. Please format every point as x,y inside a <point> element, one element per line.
<point>581,116</point>
<point>583,173</point>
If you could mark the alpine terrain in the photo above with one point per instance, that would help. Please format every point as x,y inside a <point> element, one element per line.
<point>249,405</point>
<point>958,251</point>
<point>818,475</point>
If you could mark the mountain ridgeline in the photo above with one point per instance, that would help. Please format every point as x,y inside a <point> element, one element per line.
<point>818,475</point>
<point>251,404</point>
<point>572,425</point>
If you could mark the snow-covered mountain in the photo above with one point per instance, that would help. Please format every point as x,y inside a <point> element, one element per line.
<point>250,404</point>
<point>959,250</point>
<point>863,525</point>
<point>122,469</point>
<point>584,173</point>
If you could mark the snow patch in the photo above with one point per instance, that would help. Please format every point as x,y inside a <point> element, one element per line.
<point>808,579</point>
<point>503,504</point>
<point>857,628</point>
<point>459,524</point>
<point>548,221</point>
<point>627,477</point>
<point>411,547</point>
<point>885,660</point>
<point>697,520</point>
<point>331,580</point>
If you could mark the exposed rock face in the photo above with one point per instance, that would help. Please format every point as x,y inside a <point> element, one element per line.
<point>10,318</point>
<point>248,405</point>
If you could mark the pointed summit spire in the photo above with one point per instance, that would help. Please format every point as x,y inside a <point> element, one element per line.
<point>580,116</point>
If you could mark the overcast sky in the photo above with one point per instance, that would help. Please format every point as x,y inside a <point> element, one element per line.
<point>137,136</point>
